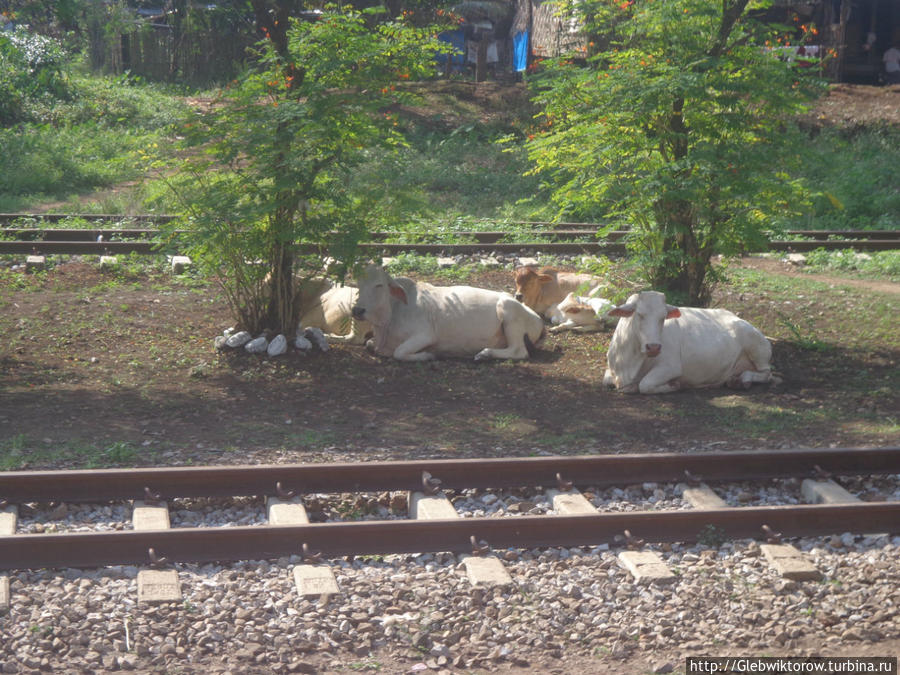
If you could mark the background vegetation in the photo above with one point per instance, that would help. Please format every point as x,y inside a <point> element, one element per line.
<point>76,140</point>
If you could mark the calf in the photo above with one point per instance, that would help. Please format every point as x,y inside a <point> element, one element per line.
<point>658,348</point>
<point>583,314</point>
<point>418,322</point>
<point>542,289</point>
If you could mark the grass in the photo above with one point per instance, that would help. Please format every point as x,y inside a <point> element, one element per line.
<point>20,451</point>
<point>109,132</point>
<point>878,264</point>
<point>855,174</point>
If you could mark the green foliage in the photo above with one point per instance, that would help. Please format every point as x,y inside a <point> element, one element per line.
<point>30,72</point>
<point>884,264</point>
<point>72,133</point>
<point>279,153</point>
<point>855,174</point>
<point>676,128</point>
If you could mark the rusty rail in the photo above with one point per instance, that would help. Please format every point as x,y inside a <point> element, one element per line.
<point>410,536</point>
<point>592,470</point>
<point>549,247</point>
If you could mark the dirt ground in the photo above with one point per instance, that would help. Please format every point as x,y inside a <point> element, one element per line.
<point>92,362</point>
<point>109,369</point>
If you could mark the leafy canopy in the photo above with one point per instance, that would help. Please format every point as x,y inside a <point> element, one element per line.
<point>279,149</point>
<point>676,125</point>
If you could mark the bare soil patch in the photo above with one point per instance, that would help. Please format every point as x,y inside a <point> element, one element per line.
<point>89,360</point>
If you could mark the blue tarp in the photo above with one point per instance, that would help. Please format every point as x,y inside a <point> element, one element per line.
<point>457,39</point>
<point>520,51</point>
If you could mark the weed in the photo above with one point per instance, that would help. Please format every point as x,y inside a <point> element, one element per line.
<point>711,536</point>
<point>803,340</point>
<point>12,451</point>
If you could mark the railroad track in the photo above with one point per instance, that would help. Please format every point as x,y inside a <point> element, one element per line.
<point>564,238</point>
<point>424,479</point>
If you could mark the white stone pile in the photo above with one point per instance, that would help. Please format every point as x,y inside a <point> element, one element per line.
<point>305,340</point>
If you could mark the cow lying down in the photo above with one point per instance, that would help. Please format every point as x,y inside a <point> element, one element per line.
<point>329,307</point>
<point>584,314</point>
<point>415,321</point>
<point>543,289</point>
<point>658,348</point>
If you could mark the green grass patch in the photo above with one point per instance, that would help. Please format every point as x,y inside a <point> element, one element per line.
<point>855,175</point>
<point>878,264</point>
<point>21,451</point>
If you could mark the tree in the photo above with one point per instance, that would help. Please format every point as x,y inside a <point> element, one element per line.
<point>276,154</point>
<point>679,126</point>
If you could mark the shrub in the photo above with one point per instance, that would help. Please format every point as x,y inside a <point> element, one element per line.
<point>30,70</point>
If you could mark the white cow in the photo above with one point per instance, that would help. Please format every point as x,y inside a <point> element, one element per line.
<point>581,313</point>
<point>658,348</point>
<point>417,321</point>
<point>327,306</point>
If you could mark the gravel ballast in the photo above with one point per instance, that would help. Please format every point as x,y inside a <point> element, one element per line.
<point>419,612</point>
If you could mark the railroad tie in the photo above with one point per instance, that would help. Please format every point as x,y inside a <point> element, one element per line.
<point>790,563</point>
<point>826,492</point>
<point>645,566</point>
<point>157,585</point>
<point>829,492</point>
<point>311,580</point>
<point>570,502</point>
<point>4,594</point>
<point>35,263</point>
<point>180,263</point>
<point>785,559</point>
<point>8,516</point>
<point>481,570</point>
<point>703,497</point>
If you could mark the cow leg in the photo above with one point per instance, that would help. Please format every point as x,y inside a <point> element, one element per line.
<point>509,312</point>
<point>354,337</point>
<point>412,349</point>
<point>748,369</point>
<point>660,381</point>
<point>568,324</point>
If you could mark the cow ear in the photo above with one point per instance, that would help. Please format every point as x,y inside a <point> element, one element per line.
<point>673,312</point>
<point>624,311</point>
<point>545,278</point>
<point>398,292</point>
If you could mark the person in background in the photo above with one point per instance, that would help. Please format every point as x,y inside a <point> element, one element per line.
<point>891,60</point>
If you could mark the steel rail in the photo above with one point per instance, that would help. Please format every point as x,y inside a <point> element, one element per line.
<point>90,217</point>
<point>412,536</point>
<point>108,234</point>
<point>93,485</point>
<point>559,248</point>
<point>480,236</point>
<point>539,226</point>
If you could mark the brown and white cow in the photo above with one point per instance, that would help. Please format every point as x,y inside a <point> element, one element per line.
<point>544,288</point>
<point>658,348</point>
<point>415,321</point>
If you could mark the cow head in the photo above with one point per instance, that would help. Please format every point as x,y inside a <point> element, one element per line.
<point>646,312</point>
<point>530,282</point>
<point>376,290</point>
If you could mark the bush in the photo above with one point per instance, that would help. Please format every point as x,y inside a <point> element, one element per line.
<point>30,72</point>
<point>878,264</point>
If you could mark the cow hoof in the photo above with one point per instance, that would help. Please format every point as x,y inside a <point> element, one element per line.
<point>483,355</point>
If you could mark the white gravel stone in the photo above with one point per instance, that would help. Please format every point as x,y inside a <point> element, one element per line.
<point>257,345</point>
<point>238,339</point>
<point>277,346</point>
<point>249,615</point>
